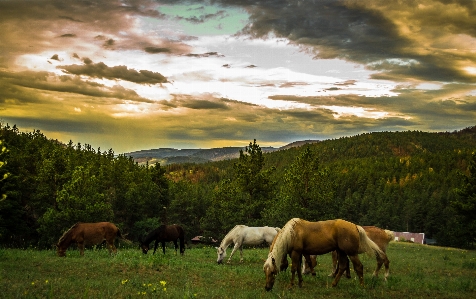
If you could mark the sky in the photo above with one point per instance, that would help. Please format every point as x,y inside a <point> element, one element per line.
<point>143,74</point>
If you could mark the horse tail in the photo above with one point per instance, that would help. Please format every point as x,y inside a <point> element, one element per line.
<point>123,237</point>
<point>181,239</point>
<point>118,234</point>
<point>367,245</point>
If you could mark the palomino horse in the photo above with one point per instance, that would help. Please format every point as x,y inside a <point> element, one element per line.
<point>300,237</point>
<point>380,237</point>
<point>89,234</point>
<point>165,233</point>
<point>244,235</point>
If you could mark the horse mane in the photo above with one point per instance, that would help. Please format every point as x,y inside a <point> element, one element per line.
<point>67,234</point>
<point>225,241</point>
<point>152,235</point>
<point>281,244</point>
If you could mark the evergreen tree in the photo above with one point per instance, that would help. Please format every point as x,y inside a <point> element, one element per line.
<point>254,181</point>
<point>80,200</point>
<point>465,204</point>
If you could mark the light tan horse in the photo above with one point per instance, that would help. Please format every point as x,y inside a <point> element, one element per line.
<point>89,234</point>
<point>300,237</point>
<point>380,237</point>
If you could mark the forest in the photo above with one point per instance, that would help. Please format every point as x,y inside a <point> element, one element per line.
<point>403,181</point>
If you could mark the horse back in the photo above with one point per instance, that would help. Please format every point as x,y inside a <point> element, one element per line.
<point>252,235</point>
<point>379,236</point>
<point>170,232</point>
<point>95,233</point>
<point>315,237</point>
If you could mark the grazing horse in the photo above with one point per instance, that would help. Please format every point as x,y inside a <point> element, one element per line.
<point>380,237</point>
<point>89,234</point>
<point>300,237</point>
<point>244,235</point>
<point>165,233</point>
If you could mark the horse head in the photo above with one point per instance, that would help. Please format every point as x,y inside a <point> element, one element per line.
<point>221,254</point>
<point>61,251</point>
<point>270,270</point>
<point>144,247</point>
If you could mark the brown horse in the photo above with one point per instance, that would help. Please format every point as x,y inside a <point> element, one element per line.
<point>300,237</point>
<point>380,237</point>
<point>165,233</point>
<point>89,234</point>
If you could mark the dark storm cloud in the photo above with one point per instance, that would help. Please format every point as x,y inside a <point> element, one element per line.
<point>203,102</point>
<point>70,19</point>
<point>208,54</point>
<point>155,50</point>
<point>203,18</point>
<point>101,70</point>
<point>402,39</point>
<point>62,125</point>
<point>27,25</point>
<point>22,87</point>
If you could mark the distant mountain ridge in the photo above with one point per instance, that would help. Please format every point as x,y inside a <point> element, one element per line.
<point>166,156</point>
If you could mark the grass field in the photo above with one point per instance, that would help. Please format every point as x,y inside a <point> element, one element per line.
<point>416,271</point>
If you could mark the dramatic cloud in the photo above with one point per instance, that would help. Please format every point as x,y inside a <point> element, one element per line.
<point>100,70</point>
<point>141,74</point>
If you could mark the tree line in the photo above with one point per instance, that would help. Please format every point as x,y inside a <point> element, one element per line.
<point>403,181</point>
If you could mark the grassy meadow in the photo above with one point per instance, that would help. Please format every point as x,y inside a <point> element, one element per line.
<point>416,271</point>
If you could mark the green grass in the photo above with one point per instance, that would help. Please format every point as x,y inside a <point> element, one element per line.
<point>416,271</point>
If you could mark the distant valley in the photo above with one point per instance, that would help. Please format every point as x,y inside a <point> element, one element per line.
<point>166,156</point>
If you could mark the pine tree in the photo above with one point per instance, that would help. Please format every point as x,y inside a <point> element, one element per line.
<point>465,205</point>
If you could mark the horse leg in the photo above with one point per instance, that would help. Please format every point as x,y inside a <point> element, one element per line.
<point>385,262</point>
<point>335,264</point>
<point>309,265</point>
<point>112,249</point>
<point>81,248</point>
<point>176,246</point>
<point>335,268</point>
<point>342,263</point>
<point>241,254</point>
<point>237,245</point>
<point>296,259</point>
<point>155,245</point>
<point>163,247</point>
<point>358,268</point>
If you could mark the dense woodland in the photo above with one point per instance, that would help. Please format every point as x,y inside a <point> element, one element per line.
<point>403,181</point>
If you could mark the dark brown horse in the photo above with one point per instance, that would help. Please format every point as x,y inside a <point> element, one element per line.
<point>300,237</point>
<point>380,237</point>
<point>165,233</point>
<point>89,234</point>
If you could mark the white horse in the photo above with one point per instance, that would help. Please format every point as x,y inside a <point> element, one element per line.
<point>244,235</point>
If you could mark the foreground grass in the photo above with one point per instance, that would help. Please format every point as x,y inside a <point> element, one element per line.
<point>417,271</point>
